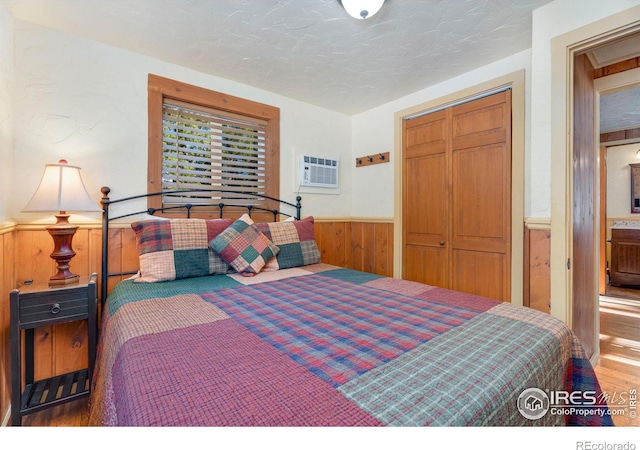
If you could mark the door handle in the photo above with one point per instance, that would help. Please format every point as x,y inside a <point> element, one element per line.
<point>441,242</point>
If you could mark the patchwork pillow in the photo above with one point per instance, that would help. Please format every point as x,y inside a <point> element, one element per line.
<point>296,241</point>
<point>244,247</point>
<point>170,249</point>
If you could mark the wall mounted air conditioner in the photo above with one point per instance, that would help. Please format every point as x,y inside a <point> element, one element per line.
<point>318,172</point>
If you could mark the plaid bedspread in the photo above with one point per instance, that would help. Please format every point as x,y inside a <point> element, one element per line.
<point>324,346</point>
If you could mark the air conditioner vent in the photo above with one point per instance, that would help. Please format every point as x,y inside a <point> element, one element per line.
<point>318,172</point>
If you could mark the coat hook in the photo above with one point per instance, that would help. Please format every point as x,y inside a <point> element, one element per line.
<point>376,158</point>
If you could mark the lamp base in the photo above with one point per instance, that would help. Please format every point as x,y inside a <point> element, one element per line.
<point>62,233</point>
<point>64,281</point>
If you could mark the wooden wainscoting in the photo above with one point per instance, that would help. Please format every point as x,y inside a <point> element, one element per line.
<point>123,255</point>
<point>25,256</point>
<point>359,244</point>
<point>7,282</point>
<point>367,245</point>
<point>537,267</point>
<point>61,348</point>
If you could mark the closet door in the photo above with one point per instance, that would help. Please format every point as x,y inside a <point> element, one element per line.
<point>481,197</point>
<point>425,199</point>
<point>457,197</point>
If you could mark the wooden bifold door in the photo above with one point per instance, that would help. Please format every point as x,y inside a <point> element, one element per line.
<point>457,197</point>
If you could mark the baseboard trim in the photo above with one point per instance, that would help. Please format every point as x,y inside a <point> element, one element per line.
<point>595,358</point>
<point>6,418</point>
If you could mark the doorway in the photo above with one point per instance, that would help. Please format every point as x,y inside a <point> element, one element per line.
<point>589,224</point>
<point>619,264</point>
<point>619,128</point>
<point>567,196</point>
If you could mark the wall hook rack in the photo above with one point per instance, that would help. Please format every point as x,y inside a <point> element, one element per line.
<point>369,160</point>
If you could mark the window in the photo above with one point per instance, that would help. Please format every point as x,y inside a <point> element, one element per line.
<point>201,139</point>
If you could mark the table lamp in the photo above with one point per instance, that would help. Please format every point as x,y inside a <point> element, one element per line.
<point>62,190</point>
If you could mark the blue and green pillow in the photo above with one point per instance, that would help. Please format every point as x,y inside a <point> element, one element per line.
<point>244,247</point>
<point>296,241</point>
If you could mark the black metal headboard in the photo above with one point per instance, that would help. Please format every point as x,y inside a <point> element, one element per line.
<point>188,208</point>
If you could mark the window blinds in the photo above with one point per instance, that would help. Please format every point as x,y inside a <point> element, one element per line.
<point>203,148</point>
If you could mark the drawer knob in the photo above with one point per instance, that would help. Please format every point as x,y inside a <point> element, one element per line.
<point>55,309</point>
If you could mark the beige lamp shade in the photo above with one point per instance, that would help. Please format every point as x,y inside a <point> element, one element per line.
<point>61,189</point>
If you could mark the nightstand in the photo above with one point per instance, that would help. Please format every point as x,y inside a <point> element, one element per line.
<point>35,305</point>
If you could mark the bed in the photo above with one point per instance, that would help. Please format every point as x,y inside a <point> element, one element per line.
<point>301,343</point>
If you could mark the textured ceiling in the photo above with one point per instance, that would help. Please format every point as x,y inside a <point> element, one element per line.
<point>309,50</point>
<point>620,110</point>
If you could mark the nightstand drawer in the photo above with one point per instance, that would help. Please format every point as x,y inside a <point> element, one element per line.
<point>51,306</point>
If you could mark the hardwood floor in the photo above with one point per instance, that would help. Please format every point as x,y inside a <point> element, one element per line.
<point>627,292</point>
<point>618,369</point>
<point>72,414</point>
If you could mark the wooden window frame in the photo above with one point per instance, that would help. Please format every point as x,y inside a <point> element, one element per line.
<point>160,88</point>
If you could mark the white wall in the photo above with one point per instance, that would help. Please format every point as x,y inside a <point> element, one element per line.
<point>373,132</point>
<point>87,102</point>
<point>550,21</point>
<point>619,180</point>
<point>6,111</point>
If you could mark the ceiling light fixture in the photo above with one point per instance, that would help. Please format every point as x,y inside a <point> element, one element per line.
<point>362,9</point>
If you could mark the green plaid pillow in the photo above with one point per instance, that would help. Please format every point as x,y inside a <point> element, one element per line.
<point>170,249</point>
<point>296,241</point>
<point>244,247</point>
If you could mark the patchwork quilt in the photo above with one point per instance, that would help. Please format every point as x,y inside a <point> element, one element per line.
<point>324,346</point>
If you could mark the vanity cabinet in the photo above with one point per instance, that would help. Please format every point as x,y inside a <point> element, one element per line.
<point>625,256</point>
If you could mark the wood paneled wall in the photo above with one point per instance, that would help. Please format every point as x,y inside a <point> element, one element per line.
<point>7,282</point>
<point>359,244</point>
<point>25,255</point>
<point>620,135</point>
<point>618,67</point>
<point>60,348</point>
<point>537,267</point>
